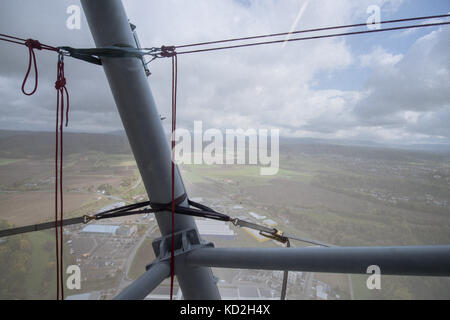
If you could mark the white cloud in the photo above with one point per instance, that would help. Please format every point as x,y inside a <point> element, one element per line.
<point>268,86</point>
<point>419,82</point>
<point>379,57</point>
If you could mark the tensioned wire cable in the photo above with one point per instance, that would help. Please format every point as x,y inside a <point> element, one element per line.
<point>93,55</point>
<point>311,30</point>
<point>313,37</point>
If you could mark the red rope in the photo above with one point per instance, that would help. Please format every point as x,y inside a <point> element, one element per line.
<point>56,198</point>
<point>31,44</point>
<point>60,86</point>
<point>174,124</point>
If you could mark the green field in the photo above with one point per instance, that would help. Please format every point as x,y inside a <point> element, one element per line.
<point>41,280</point>
<point>4,161</point>
<point>38,271</point>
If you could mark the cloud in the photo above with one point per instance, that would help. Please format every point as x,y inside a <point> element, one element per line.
<point>271,86</point>
<point>418,82</point>
<point>380,58</point>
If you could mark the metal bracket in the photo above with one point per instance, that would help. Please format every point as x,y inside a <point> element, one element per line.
<point>184,242</point>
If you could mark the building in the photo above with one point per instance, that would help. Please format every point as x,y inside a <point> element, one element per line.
<point>227,293</point>
<point>256,216</point>
<point>247,293</point>
<point>270,223</point>
<point>126,230</point>
<point>322,290</point>
<point>112,206</point>
<point>95,295</point>
<point>293,276</point>
<point>100,229</point>
<point>163,293</point>
<point>214,228</point>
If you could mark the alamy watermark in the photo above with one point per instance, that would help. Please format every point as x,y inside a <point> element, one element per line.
<point>73,22</point>
<point>374,280</point>
<point>234,146</point>
<point>374,19</point>
<point>73,281</point>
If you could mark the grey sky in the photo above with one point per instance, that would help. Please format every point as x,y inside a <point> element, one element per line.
<point>404,97</point>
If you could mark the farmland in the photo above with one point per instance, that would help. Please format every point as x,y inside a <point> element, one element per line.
<point>345,195</point>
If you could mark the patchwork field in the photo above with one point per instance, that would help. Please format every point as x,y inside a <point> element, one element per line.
<point>338,194</point>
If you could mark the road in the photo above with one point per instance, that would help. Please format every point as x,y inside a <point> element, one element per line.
<point>124,282</point>
<point>350,287</point>
<point>138,182</point>
<point>307,290</point>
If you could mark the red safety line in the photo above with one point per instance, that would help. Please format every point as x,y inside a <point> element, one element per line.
<point>56,197</point>
<point>31,44</point>
<point>60,86</point>
<point>174,123</point>
<point>61,239</point>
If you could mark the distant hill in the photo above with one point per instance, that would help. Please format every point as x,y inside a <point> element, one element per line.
<point>443,148</point>
<point>375,152</point>
<point>27,144</point>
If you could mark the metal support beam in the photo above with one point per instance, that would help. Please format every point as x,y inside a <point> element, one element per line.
<point>145,284</point>
<point>109,27</point>
<point>414,260</point>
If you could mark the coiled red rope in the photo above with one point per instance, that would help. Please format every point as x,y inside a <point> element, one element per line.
<point>31,44</point>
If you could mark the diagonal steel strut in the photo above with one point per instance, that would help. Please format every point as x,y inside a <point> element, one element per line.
<point>109,26</point>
